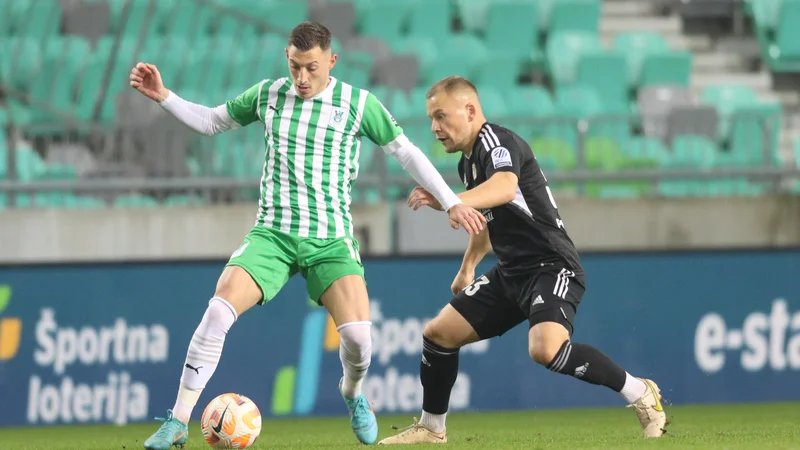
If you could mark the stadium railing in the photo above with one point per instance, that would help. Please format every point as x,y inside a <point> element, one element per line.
<point>73,134</point>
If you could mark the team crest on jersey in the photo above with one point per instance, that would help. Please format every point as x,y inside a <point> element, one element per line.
<point>338,118</point>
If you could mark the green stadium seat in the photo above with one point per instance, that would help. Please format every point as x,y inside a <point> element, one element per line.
<point>20,61</point>
<point>191,20</point>
<point>384,21</point>
<point>574,15</point>
<point>36,19</point>
<point>688,152</point>
<point>284,15</point>
<point>728,99</point>
<point>606,73</point>
<point>486,71</point>
<point>134,201</point>
<point>755,135</point>
<point>473,13</point>
<point>637,45</point>
<point>646,152</point>
<point>670,67</point>
<point>424,48</point>
<point>557,155</point>
<point>564,51</point>
<point>512,28</point>
<point>529,107</point>
<point>138,16</point>
<point>431,20</point>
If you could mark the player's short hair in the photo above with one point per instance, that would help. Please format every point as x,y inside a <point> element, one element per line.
<point>308,35</point>
<point>451,84</point>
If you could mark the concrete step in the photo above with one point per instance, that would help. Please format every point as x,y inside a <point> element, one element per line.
<point>663,25</point>
<point>626,8</point>
<point>759,81</point>
<point>718,62</point>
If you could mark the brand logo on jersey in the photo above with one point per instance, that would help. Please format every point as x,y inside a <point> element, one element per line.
<point>501,157</point>
<point>474,171</point>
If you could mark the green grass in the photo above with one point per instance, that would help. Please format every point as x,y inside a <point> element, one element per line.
<point>756,426</point>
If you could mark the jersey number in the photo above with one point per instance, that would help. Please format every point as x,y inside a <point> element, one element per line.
<point>473,288</point>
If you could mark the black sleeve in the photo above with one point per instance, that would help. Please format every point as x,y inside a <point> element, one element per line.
<point>500,153</point>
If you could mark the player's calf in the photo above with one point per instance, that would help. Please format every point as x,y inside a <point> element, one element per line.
<point>589,364</point>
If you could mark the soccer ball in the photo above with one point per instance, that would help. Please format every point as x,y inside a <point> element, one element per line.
<point>231,421</point>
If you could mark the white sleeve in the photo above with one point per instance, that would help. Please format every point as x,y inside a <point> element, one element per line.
<point>419,166</point>
<point>202,119</point>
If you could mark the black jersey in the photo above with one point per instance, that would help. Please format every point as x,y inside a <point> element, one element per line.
<point>527,232</point>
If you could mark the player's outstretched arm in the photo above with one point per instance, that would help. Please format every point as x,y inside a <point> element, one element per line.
<point>146,79</point>
<point>381,128</point>
<point>479,246</point>
<point>499,189</point>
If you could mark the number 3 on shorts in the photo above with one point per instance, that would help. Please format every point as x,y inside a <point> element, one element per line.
<point>473,288</point>
<point>353,252</point>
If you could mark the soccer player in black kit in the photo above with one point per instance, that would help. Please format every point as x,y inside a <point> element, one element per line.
<point>538,277</point>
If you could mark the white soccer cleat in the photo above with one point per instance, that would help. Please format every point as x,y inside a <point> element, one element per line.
<point>416,434</point>
<point>650,411</point>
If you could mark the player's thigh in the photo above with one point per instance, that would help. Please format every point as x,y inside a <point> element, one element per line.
<point>488,305</point>
<point>258,269</point>
<point>551,299</point>
<point>335,277</point>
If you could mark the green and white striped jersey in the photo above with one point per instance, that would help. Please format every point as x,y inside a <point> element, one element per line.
<point>312,149</point>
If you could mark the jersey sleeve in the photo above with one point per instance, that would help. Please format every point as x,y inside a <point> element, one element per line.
<point>499,153</point>
<point>377,124</point>
<point>244,108</point>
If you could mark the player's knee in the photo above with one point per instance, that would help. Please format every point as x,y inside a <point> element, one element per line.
<point>356,342</point>
<point>219,314</point>
<point>437,332</point>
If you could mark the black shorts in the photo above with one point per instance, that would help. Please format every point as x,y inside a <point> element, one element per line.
<point>497,301</point>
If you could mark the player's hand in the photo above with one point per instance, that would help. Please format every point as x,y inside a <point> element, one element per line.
<point>462,280</point>
<point>146,79</point>
<point>420,197</point>
<point>469,218</point>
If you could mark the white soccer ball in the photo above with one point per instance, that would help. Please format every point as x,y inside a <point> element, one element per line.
<point>231,421</point>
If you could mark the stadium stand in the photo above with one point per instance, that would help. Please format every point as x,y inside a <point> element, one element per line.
<point>619,98</point>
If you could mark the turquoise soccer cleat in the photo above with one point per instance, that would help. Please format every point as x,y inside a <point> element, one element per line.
<point>172,432</point>
<point>362,418</point>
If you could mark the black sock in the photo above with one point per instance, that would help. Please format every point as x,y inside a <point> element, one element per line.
<point>588,364</point>
<point>438,372</point>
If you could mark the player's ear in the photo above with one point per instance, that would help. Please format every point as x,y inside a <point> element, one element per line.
<point>334,58</point>
<point>471,111</point>
<point>286,50</point>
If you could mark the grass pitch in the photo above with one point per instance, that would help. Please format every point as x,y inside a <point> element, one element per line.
<point>753,426</point>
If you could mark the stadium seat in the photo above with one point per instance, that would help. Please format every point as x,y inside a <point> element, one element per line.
<point>606,73</point>
<point>38,20</point>
<point>422,47</point>
<point>20,60</point>
<point>637,45</point>
<point>574,15</point>
<point>512,28</point>
<point>688,152</point>
<point>695,120</point>
<point>564,51</point>
<point>384,21</point>
<point>670,67</point>
<point>431,21</point>
<point>472,13</point>
<point>655,102</point>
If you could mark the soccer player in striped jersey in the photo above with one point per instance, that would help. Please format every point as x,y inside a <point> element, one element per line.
<point>538,279</point>
<point>313,126</point>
